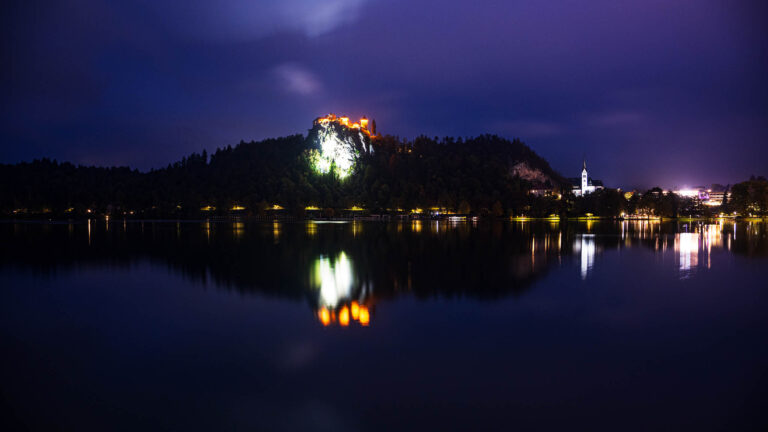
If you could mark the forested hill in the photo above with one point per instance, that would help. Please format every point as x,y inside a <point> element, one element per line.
<point>475,174</point>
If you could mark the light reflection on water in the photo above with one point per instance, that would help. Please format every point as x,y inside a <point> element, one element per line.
<point>416,225</point>
<point>687,246</point>
<point>498,308</point>
<point>340,298</point>
<point>517,251</point>
<point>694,249</point>
<point>333,279</point>
<point>311,228</point>
<point>586,248</point>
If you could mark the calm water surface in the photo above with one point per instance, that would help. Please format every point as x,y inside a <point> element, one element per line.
<point>365,326</point>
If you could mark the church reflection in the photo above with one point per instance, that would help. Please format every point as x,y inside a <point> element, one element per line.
<point>585,248</point>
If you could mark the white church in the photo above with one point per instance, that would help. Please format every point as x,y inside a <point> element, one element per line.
<point>585,185</point>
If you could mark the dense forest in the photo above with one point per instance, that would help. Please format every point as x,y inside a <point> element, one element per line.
<point>467,176</point>
<point>471,175</point>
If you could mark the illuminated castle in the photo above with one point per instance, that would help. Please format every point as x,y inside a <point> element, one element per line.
<point>362,125</point>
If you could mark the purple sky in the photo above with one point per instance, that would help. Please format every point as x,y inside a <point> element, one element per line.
<point>661,92</point>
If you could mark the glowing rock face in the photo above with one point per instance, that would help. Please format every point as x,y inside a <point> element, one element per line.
<point>339,148</point>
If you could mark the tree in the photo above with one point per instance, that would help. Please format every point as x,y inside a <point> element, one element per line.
<point>725,205</point>
<point>497,210</point>
<point>464,207</point>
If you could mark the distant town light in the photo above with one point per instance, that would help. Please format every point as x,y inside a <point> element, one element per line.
<point>688,193</point>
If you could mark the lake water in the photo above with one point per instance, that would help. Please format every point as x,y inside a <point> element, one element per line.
<point>419,325</point>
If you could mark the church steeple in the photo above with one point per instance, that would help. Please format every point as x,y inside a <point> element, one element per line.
<point>585,164</point>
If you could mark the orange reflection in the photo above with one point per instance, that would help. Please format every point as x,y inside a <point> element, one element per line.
<point>416,226</point>
<point>344,316</point>
<point>325,316</point>
<point>365,317</point>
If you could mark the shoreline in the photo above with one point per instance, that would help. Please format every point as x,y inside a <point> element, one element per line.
<point>383,218</point>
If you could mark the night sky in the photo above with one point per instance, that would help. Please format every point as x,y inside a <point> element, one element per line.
<point>664,92</point>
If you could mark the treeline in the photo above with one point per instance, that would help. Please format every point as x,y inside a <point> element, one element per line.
<point>748,198</point>
<point>470,175</point>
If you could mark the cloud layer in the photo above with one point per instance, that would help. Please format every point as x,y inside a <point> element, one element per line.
<point>653,92</point>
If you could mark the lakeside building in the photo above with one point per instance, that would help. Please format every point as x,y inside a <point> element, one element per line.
<point>585,185</point>
<point>712,197</point>
<point>716,198</point>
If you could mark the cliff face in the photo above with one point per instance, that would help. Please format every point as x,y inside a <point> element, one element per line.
<point>336,147</point>
<point>537,176</point>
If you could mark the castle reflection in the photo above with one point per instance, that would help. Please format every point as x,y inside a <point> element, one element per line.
<point>340,298</point>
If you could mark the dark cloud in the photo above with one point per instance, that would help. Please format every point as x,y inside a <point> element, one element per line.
<point>653,92</point>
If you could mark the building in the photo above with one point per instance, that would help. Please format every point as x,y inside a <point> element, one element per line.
<point>717,198</point>
<point>584,185</point>
<point>712,197</point>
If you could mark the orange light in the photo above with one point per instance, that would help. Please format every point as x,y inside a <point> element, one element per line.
<point>325,316</point>
<point>362,125</point>
<point>355,309</point>
<point>365,317</point>
<point>344,316</point>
